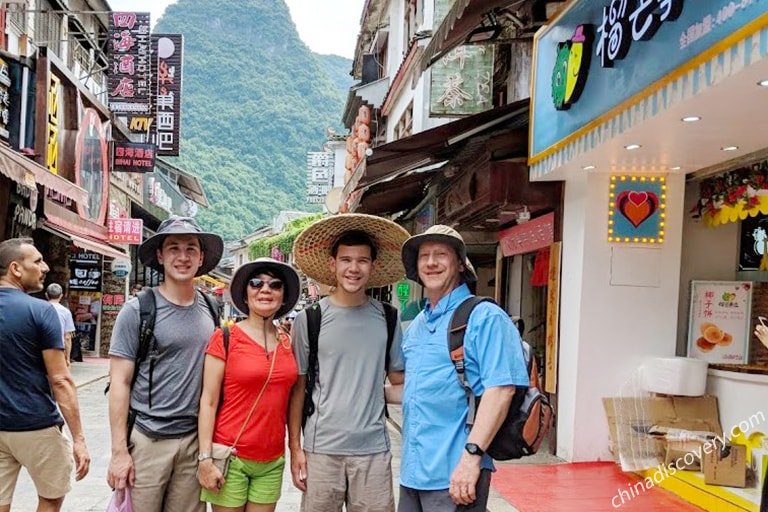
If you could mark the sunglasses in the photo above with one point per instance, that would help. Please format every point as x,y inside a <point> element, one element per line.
<point>257,282</point>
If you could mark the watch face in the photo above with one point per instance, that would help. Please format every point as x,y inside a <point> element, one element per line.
<point>473,449</point>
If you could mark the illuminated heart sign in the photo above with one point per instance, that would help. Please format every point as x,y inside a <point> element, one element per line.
<point>637,207</point>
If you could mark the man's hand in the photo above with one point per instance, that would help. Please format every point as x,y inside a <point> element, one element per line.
<point>299,469</point>
<point>82,459</point>
<point>209,476</point>
<point>121,472</point>
<point>464,479</point>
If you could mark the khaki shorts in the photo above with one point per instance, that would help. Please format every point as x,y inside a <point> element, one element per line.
<point>362,482</point>
<point>166,474</point>
<point>46,455</point>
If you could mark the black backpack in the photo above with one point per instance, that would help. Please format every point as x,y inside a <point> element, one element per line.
<point>530,414</point>
<point>148,343</point>
<point>314,316</point>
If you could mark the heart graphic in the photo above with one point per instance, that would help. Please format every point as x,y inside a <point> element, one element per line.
<point>636,206</point>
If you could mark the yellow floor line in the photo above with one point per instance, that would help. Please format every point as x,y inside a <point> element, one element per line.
<point>690,486</point>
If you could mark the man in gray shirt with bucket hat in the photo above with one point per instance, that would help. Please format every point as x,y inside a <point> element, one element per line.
<point>345,459</point>
<point>157,458</point>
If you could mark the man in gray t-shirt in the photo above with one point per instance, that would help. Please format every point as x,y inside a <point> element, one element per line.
<point>345,459</point>
<point>158,457</point>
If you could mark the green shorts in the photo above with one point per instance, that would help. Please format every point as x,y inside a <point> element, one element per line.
<point>256,482</point>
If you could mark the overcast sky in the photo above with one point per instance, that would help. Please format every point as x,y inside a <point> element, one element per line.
<point>325,26</point>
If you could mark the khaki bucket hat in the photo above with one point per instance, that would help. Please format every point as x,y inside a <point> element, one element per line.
<point>312,247</point>
<point>441,234</point>
<point>211,244</point>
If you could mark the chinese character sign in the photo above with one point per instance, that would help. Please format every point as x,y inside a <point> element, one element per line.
<point>462,81</point>
<point>166,129</point>
<point>85,271</point>
<point>124,231</point>
<point>719,323</point>
<point>133,157</point>
<point>5,99</point>
<point>129,62</point>
<point>320,166</point>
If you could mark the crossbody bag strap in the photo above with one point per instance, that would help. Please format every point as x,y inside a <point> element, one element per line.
<point>258,397</point>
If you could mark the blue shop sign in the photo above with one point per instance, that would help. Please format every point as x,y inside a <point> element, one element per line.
<point>598,55</point>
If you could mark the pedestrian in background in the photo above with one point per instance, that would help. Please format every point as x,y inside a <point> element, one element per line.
<point>444,467</point>
<point>54,294</point>
<point>158,457</point>
<point>345,459</point>
<point>246,387</point>
<point>34,379</point>
<point>135,289</point>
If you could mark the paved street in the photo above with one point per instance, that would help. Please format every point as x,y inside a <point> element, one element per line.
<point>92,493</point>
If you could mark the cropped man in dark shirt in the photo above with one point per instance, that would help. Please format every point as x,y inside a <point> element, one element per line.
<point>34,378</point>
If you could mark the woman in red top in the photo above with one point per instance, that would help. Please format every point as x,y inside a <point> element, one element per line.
<point>257,368</point>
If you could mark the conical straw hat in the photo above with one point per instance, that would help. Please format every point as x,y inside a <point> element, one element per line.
<point>312,248</point>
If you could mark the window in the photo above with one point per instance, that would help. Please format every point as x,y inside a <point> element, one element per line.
<point>48,29</point>
<point>414,16</point>
<point>404,127</point>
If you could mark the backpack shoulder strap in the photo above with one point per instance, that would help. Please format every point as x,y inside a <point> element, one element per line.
<point>314,317</point>
<point>147,311</point>
<point>212,307</point>
<point>456,331</point>
<point>391,315</point>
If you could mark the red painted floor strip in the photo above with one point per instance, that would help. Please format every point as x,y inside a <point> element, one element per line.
<point>588,487</point>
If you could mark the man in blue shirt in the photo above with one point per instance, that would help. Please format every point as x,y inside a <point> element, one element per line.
<point>444,467</point>
<point>34,379</point>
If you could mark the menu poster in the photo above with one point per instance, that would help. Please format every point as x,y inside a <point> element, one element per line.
<point>719,323</point>
<point>85,271</point>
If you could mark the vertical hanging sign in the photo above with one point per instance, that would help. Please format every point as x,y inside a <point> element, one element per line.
<point>129,62</point>
<point>168,49</point>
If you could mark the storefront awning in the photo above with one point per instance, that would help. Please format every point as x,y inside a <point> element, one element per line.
<point>27,172</point>
<point>85,243</point>
<point>432,146</point>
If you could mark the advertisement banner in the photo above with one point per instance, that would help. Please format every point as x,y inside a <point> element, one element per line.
<point>85,271</point>
<point>129,62</point>
<point>168,50</point>
<point>719,322</point>
<point>462,82</point>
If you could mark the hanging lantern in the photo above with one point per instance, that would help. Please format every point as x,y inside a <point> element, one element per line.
<point>363,134</point>
<point>364,115</point>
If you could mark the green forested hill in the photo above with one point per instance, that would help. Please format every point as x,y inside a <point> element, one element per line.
<point>255,100</point>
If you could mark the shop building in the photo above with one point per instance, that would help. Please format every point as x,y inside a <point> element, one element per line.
<point>652,113</point>
<point>440,136</point>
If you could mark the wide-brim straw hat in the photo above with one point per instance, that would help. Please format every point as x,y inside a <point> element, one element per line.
<point>441,234</point>
<point>282,271</point>
<point>212,245</point>
<point>312,248</point>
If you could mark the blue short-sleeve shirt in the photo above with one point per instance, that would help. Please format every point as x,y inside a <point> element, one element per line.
<point>28,326</point>
<point>434,403</point>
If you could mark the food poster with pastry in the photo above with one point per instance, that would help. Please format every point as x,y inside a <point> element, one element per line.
<point>719,321</point>
<point>85,308</point>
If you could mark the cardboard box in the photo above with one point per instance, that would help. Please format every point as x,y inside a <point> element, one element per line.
<point>726,466</point>
<point>632,419</point>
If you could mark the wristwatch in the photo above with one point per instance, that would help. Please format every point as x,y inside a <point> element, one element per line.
<point>203,456</point>
<point>473,449</point>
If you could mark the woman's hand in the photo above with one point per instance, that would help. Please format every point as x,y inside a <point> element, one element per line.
<point>209,476</point>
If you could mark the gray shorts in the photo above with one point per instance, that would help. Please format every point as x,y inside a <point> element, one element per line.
<point>412,500</point>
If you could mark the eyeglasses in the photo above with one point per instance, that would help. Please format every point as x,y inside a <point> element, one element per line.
<point>257,282</point>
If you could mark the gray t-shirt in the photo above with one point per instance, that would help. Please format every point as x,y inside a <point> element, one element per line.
<point>182,334</point>
<point>349,391</point>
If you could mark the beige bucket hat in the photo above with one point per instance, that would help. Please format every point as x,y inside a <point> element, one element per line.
<point>312,247</point>
<point>442,234</point>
